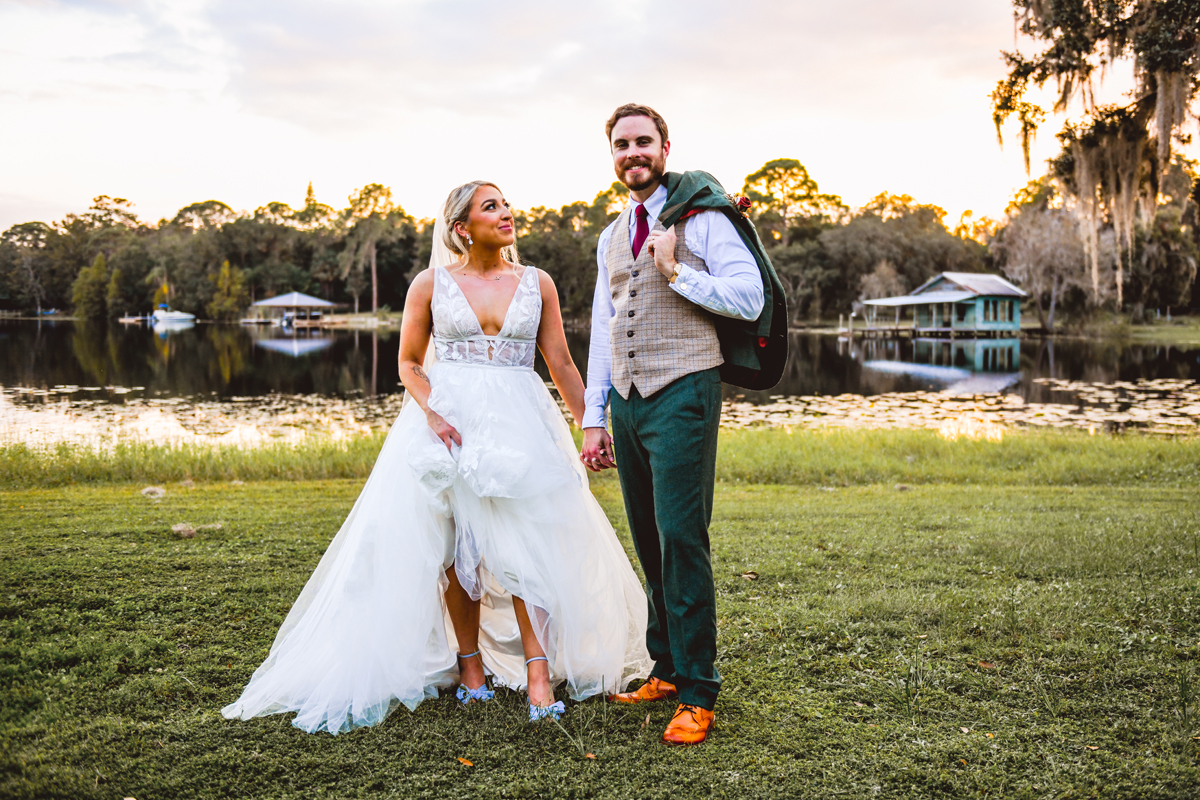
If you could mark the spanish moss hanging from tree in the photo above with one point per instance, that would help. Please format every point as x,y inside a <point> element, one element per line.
<point>1112,156</point>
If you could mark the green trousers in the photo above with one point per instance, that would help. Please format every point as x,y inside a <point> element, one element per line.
<point>666,449</point>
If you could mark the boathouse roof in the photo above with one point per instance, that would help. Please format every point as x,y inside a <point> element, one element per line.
<point>922,299</point>
<point>976,283</point>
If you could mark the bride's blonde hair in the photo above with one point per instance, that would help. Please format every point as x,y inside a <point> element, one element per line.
<point>458,209</point>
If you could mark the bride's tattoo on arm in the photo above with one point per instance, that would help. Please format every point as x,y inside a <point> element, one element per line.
<point>420,373</point>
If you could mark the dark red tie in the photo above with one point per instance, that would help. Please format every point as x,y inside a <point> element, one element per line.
<point>641,231</point>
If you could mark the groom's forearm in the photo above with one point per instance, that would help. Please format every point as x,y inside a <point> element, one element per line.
<point>599,379</point>
<point>599,371</point>
<point>595,400</point>
<point>738,296</point>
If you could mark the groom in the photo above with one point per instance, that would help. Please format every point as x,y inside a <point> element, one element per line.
<point>664,296</point>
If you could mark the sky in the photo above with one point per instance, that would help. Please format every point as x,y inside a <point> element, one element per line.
<point>167,103</point>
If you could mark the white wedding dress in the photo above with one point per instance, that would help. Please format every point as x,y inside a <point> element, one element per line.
<point>512,511</point>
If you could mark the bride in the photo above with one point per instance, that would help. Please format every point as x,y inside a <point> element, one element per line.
<point>475,546</point>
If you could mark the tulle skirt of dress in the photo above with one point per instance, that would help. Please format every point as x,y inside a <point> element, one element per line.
<point>511,510</point>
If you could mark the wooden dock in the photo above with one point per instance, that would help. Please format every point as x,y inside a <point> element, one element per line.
<point>909,332</point>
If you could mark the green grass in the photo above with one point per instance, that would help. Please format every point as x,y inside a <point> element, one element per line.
<point>22,465</point>
<point>834,458</point>
<point>1182,331</point>
<point>1047,458</point>
<point>948,641</point>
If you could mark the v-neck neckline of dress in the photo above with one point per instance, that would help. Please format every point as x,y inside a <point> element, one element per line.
<point>474,315</point>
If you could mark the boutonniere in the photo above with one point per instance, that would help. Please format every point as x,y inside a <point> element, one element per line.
<point>740,202</point>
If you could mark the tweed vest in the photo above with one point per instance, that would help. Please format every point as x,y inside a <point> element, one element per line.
<point>657,335</point>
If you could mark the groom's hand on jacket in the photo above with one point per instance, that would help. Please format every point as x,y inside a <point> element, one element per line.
<point>597,451</point>
<point>662,247</point>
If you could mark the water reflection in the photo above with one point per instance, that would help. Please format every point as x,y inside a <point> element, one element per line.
<point>165,327</point>
<point>828,365</point>
<point>295,347</point>
<point>230,361</point>
<point>223,361</point>
<point>971,366</point>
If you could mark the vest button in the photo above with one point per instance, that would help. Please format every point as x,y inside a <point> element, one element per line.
<point>634,273</point>
<point>629,333</point>
<point>631,313</point>
<point>631,354</point>
<point>633,292</point>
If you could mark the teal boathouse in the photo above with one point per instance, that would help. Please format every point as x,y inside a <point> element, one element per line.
<point>952,304</point>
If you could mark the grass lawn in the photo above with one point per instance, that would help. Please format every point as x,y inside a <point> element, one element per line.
<point>832,457</point>
<point>1182,331</point>
<point>929,640</point>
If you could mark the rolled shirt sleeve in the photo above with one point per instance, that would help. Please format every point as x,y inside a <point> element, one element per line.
<point>733,286</point>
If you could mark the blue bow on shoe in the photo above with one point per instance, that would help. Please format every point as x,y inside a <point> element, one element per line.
<point>554,711</point>
<point>465,694</point>
<point>482,694</point>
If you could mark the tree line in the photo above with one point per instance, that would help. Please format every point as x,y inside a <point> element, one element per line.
<point>212,261</point>
<point>1116,164</point>
<point>208,259</point>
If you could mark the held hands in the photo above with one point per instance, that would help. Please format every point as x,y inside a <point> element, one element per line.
<point>597,451</point>
<point>662,247</point>
<point>442,429</point>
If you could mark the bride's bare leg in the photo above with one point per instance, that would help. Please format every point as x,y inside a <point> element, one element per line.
<point>464,616</point>
<point>537,672</point>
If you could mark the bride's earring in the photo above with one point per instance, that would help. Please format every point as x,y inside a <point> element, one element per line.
<point>470,241</point>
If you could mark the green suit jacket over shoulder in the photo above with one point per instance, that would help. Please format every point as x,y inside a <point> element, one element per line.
<point>755,352</point>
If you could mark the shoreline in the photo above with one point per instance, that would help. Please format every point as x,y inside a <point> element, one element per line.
<point>74,415</point>
<point>1183,329</point>
<point>826,457</point>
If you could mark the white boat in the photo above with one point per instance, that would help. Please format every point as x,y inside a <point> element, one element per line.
<point>165,315</point>
<point>166,326</point>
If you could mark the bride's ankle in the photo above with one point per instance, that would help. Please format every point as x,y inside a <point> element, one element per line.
<point>537,676</point>
<point>472,678</point>
<point>470,672</point>
<point>540,694</point>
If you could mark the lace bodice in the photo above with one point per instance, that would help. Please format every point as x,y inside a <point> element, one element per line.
<point>458,336</point>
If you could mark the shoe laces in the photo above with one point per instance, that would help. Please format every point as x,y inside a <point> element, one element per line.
<point>691,709</point>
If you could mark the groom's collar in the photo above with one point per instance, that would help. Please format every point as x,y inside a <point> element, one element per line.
<point>654,204</point>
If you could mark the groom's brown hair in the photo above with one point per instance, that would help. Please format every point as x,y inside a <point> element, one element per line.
<point>635,110</point>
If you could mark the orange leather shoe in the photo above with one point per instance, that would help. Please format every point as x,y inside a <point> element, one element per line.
<point>690,725</point>
<point>651,690</point>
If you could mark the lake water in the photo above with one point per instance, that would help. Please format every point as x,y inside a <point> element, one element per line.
<point>226,361</point>
<point>207,369</point>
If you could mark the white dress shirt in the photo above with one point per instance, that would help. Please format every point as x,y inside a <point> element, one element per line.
<point>732,287</point>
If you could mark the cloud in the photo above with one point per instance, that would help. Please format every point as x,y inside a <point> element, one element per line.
<point>348,65</point>
<point>473,82</point>
<point>64,50</point>
<point>171,101</point>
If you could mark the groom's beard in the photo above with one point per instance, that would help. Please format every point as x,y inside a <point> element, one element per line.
<point>654,173</point>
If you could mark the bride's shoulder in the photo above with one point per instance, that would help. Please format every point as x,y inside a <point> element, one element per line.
<point>545,282</point>
<point>522,271</point>
<point>422,284</point>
